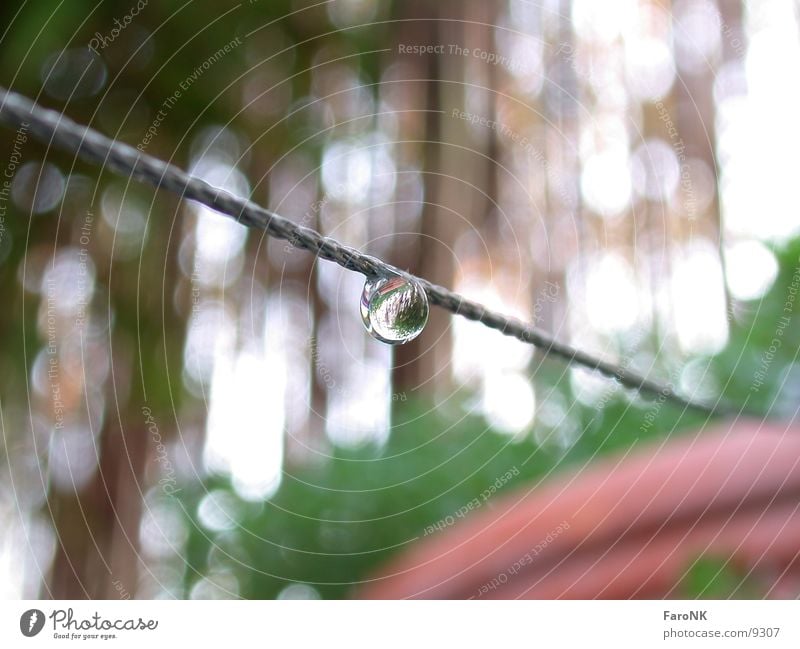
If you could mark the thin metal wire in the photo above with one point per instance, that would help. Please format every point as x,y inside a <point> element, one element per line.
<point>53,127</point>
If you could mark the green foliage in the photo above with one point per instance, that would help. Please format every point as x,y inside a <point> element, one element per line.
<point>330,525</point>
<point>712,577</point>
<point>758,368</point>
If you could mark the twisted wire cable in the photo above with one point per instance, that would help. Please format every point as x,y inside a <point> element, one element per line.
<point>53,127</point>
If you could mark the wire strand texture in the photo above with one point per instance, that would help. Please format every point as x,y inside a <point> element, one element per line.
<point>52,127</point>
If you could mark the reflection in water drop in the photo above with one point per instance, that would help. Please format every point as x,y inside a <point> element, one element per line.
<point>394,309</point>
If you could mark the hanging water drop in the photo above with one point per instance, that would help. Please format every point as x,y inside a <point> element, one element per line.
<point>394,309</point>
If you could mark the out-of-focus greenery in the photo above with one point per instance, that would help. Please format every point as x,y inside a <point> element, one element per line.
<point>329,525</point>
<point>757,328</point>
<point>715,578</point>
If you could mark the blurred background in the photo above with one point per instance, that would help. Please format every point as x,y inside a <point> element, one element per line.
<point>192,410</point>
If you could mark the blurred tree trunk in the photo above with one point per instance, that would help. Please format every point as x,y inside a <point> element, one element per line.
<point>295,274</point>
<point>458,175</point>
<point>733,37</point>
<point>415,363</point>
<point>97,545</point>
<point>566,224</point>
<point>733,53</point>
<point>306,443</point>
<point>99,527</point>
<point>694,98</point>
<point>317,441</point>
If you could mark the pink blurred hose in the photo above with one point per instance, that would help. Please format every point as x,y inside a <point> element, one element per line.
<point>624,527</point>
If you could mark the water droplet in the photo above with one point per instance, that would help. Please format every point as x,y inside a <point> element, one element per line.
<point>394,309</point>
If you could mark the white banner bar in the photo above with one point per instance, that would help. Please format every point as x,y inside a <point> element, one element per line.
<point>350,624</point>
